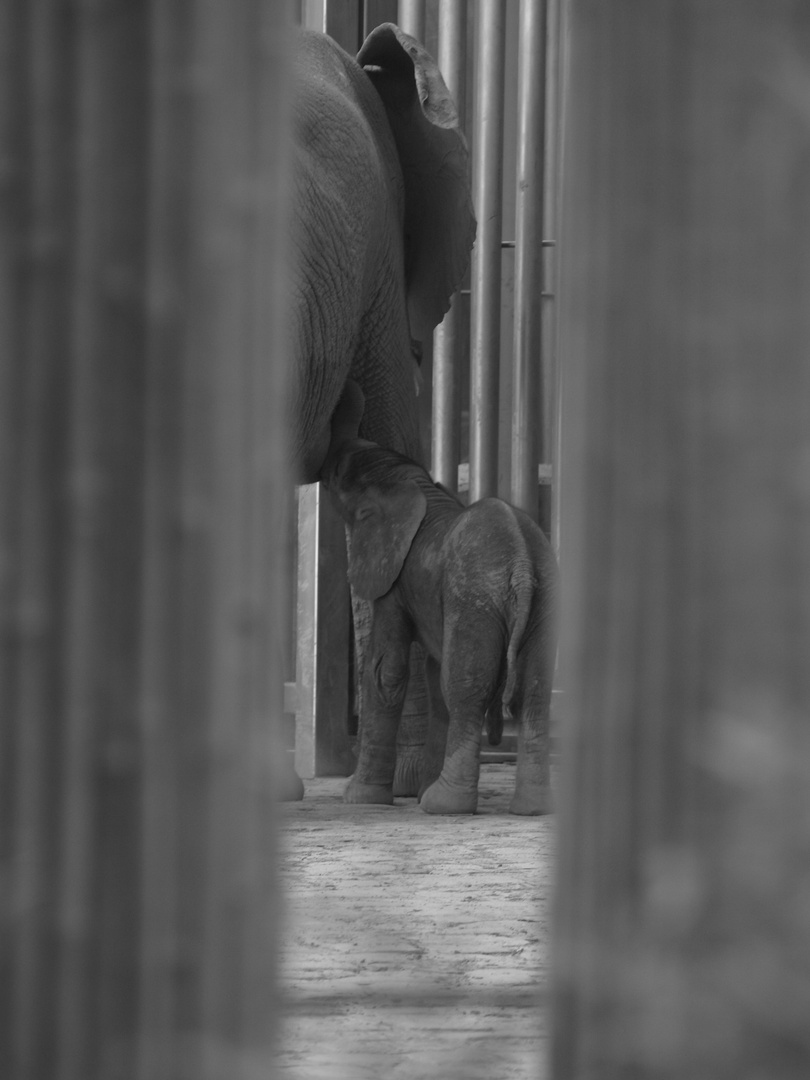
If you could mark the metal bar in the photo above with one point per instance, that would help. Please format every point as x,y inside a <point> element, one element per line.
<point>486,261</point>
<point>446,425</point>
<point>555,106</point>
<point>527,380</point>
<point>340,19</point>
<point>446,421</point>
<point>322,665</point>
<point>411,18</point>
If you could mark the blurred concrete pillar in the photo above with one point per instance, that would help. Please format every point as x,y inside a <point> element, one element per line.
<point>683,907</point>
<point>141,470</point>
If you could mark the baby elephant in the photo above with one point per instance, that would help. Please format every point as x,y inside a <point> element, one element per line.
<point>478,588</point>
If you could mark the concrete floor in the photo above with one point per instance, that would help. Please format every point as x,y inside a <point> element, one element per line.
<point>416,946</point>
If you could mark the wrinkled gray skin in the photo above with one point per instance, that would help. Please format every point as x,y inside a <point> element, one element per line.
<point>382,227</point>
<point>477,587</point>
<point>382,230</point>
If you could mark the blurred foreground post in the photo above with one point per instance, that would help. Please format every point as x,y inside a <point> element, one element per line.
<point>683,912</point>
<point>142,470</point>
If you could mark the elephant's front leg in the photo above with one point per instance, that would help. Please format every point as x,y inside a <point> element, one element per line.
<point>413,721</point>
<point>384,682</point>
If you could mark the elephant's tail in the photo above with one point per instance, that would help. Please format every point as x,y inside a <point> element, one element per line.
<point>522,588</point>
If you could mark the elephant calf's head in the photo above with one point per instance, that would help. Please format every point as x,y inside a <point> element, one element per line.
<point>375,493</point>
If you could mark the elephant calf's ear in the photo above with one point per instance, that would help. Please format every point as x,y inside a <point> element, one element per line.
<point>381,535</point>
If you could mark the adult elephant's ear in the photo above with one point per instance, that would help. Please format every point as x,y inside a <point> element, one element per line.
<point>384,524</point>
<point>439,217</point>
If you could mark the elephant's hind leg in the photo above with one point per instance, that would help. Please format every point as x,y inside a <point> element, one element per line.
<point>470,667</point>
<point>456,789</point>
<point>532,775</point>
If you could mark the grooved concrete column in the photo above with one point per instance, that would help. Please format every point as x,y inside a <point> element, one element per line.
<point>684,863</point>
<point>142,384</point>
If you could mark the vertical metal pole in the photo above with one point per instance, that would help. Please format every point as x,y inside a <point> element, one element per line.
<point>555,101</point>
<point>340,19</point>
<point>527,410</point>
<point>486,261</point>
<point>322,745</point>
<point>446,419</point>
<point>411,18</point>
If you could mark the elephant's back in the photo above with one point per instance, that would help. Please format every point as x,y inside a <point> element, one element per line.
<point>495,543</point>
<point>347,178</point>
<point>346,229</point>
<point>332,95</point>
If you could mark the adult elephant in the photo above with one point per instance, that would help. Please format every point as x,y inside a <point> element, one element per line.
<point>382,228</point>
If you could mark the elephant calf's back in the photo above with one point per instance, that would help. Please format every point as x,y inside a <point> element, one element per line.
<point>499,554</point>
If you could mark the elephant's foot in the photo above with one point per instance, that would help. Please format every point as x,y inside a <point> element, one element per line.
<point>531,800</point>
<point>443,797</point>
<point>408,771</point>
<point>359,792</point>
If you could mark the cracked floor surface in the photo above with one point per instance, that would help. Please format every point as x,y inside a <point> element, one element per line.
<point>415,947</point>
